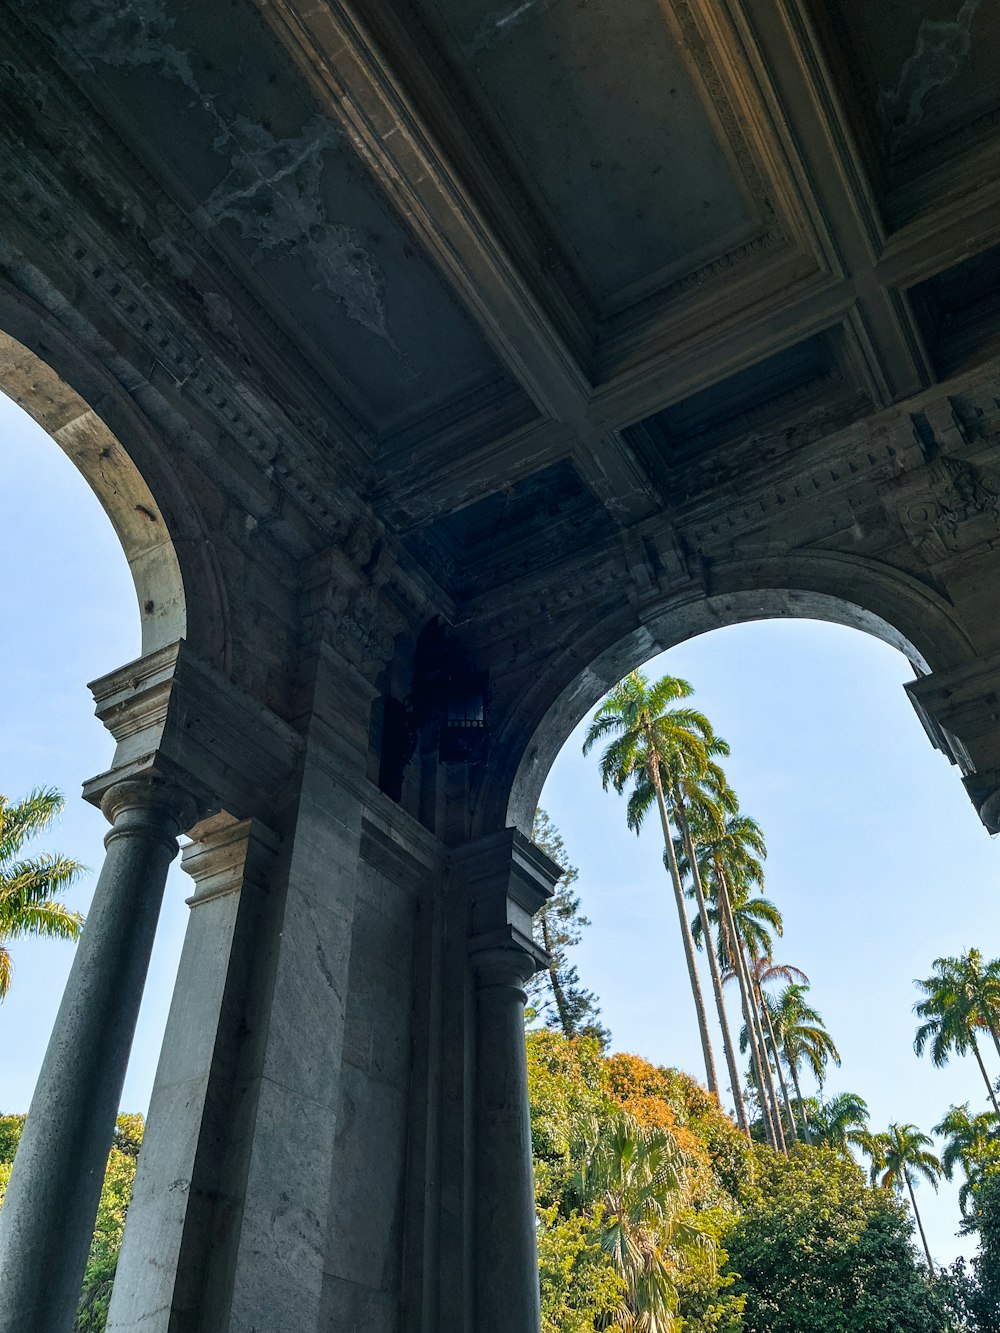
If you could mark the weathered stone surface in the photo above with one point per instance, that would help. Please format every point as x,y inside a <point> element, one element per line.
<point>53,1195</point>
<point>428,396</point>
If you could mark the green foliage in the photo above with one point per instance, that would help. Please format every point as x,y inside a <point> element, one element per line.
<point>566,1086</point>
<point>961,1002</point>
<point>840,1123</point>
<point>901,1152</point>
<point>110,1226</point>
<point>631,1180</point>
<point>709,1301</point>
<point>629,1165</point>
<point>643,733</point>
<point>800,1031</point>
<point>972,1141</point>
<point>667,1206</point>
<point>985,1221</point>
<point>819,1251</point>
<point>580,1288</point>
<point>28,884</point>
<point>10,1136</point>
<point>99,1274</point>
<point>556,992</point>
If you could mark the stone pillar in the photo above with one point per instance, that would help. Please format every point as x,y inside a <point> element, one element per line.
<point>48,1215</point>
<point>178,1191</point>
<point>508,879</point>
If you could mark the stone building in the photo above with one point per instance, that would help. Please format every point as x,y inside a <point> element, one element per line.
<point>437,362</point>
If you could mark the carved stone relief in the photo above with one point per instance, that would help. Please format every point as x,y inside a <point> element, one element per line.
<point>946,508</point>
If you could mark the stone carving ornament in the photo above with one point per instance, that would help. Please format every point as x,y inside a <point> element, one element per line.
<point>946,508</point>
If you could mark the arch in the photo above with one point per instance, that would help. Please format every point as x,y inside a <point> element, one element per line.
<point>99,427</point>
<point>844,589</point>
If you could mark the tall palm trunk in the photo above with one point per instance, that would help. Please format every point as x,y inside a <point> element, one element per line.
<point>993,1033</point>
<point>713,967</point>
<point>777,1064</point>
<point>806,1131</point>
<point>770,1090</point>
<point>920,1224</point>
<point>986,1077</point>
<point>736,959</point>
<point>675,879</point>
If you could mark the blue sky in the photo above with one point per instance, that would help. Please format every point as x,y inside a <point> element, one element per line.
<point>876,857</point>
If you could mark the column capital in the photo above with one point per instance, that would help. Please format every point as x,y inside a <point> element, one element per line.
<point>225,854</point>
<point>507,879</point>
<point>147,803</point>
<point>180,722</point>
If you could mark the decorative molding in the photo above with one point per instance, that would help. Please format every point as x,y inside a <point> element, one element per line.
<point>507,879</point>
<point>177,363</point>
<point>731,123</point>
<point>965,704</point>
<point>225,854</point>
<point>170,238</point>
<point>357,597</point>
<point>945,508</point>
<point>493,410</point>
<point>177,718</point>
<point>657,559</point>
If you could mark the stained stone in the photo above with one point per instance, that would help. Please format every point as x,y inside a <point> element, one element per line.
<point>437,364</point>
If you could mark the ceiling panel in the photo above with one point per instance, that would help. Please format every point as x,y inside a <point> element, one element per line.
<point>599,106</point>
<point>925,76</point>
<point>210,102</point>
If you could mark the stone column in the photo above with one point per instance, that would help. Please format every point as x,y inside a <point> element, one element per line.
<point>48,1215</point>
<point>180,1187</point>
<point>508,880</point>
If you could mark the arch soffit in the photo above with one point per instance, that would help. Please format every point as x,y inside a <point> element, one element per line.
<point>99,427</point>
<point>833,586</point>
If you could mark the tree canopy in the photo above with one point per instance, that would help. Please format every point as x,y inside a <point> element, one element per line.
<point>818,1250</point>
<point>115,1196</point>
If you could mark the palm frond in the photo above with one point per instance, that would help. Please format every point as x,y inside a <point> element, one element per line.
<point>28,884</point>
<point>20,820</point>
<point>44,920</point>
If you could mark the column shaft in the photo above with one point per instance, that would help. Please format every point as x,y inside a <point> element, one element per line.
<point>180,1188</point>
<point>48,1215</point>
<point>507,1295</point>
<point>507,880</point>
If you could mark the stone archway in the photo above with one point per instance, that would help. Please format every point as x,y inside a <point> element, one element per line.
<point>110,443</point>
<point>886,603</point>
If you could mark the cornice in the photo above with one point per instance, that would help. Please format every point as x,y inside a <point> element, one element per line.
<point>159,218</point>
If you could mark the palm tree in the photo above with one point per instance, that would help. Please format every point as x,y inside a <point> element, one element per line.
<point>799,1033</point>
<point>647,737</point>
<point>840,1123</point>
<point>27,884</point>
<point>730,858</point>
<point>763,969</point>
<point>633,1178</point>
<point>699,797</point>
<point>962,998</point>
<point>972,1142</point>
<point>753,918</point>
<point>896,1155</point>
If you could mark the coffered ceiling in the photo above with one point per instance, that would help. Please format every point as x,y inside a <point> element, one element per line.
<point>604,251</point>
